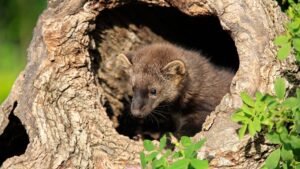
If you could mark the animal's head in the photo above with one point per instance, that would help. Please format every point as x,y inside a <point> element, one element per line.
<point>153,83</point>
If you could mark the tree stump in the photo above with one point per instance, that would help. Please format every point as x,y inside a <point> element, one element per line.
<point>61,112</point>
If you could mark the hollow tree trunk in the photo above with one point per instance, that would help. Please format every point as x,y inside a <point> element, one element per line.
<point>59,98</point>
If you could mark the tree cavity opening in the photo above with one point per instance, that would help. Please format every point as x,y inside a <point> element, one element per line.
<point>14,139</point>
<point>126,28</point>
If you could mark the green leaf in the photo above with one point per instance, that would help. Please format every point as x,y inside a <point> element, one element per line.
<point>273,137</point>
<point>199,144</point>
<point>293,25</point>
<point>251,129</point>
<point>291,102</point>
<point>259,96</point>
<point>177,154</point>
<point>267,121</point>
<point>180,164</point>
<point>159,163</point>
<point>298,93</point>
<point>296,43</point>
<point>297,55</point>
<point>190,152</point>
<point>167,154</point>
<point>149,146</point>
<point>284,165</point>
<point>163,142</point>
<point>297,120</point>
<point>284,51</point>
<point>260,107</point>
<point>290,12</point>
<point>270,100</point>
<point>185,141</point>
<point>238,117</point>
<point>242,131</point>
<point>279,126</point>
<point>199,164</point>
<point>286,153</point>
<point>280,88</point>
<point>280,40</point>
<point>273,159</point>
<point>143,160</point>
<point>295,141</point>
<point>284,134</point>
<point>247,99</point>
<point>247,110</point>
<point>151,157</point>
<point>257,124</point>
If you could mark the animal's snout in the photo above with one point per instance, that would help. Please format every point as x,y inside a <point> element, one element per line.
<point>137,107</point>
<point>137,113</point>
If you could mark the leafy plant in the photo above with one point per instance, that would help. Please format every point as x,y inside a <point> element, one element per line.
<point>290,41</point>
<point>278,117</point>
<point>182,157</point>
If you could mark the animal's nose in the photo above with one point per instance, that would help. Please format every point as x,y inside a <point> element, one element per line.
<point>137,113</point>
<point>137,103</point>
<point>137,108</point>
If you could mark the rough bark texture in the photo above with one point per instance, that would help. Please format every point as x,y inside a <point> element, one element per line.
<point>60,96</point>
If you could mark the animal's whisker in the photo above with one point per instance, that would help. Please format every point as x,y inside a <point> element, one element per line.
<point>155,119</point>
<point>160,114</point>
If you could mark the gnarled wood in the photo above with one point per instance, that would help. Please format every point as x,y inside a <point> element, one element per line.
<point>69,77</point>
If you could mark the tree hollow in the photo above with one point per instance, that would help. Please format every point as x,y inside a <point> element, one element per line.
<point>70,91</point>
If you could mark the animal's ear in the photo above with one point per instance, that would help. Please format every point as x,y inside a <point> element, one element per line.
<point>124,60</point>
<point>173,68</point>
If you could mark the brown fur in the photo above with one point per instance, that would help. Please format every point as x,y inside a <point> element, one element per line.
<point>188,86</point>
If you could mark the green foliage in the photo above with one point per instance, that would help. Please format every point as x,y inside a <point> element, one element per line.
<point>290,41</point>
<point>182,157</point>
<point>18,18</point>
<point>278,117</point>
<point>285,4</point>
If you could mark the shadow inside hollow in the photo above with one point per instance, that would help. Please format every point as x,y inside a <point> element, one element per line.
<point>202,33</point>
<point>14,139</point>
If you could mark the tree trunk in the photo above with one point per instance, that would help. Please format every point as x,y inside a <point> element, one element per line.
<point>64,107</point>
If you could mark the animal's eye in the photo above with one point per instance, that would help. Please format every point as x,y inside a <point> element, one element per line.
<point>153,91</point>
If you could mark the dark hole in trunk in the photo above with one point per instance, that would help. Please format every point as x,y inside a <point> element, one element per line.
<point>14,139</point>
<point>200,33</point>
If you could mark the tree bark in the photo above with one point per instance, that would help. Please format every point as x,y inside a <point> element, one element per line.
<point>60,96</point>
